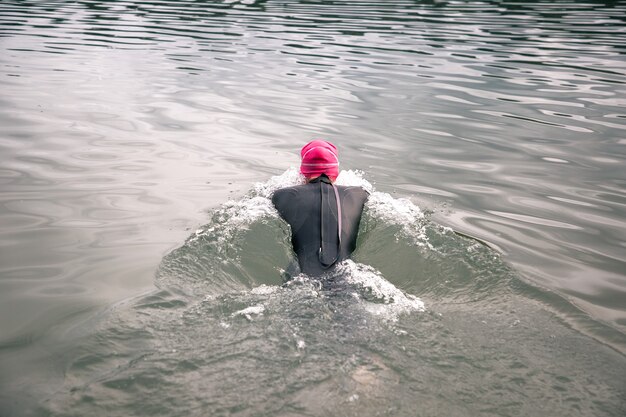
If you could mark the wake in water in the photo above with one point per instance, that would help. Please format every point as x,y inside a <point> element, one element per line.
<point>221,256</point>
<point>235,329</point>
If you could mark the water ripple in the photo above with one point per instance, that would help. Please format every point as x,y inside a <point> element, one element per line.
<point>123,121</point>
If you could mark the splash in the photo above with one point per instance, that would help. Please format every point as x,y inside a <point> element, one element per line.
<point>233,249</point>
<point>292,176</point>
<point>354,179</point>
<point>236,216</point>
<point>248,312</point>
<point>379,296</point>
<point>402,213</point>
<point>399,212</point>
<point>288,178</point>
<point>352,288</point>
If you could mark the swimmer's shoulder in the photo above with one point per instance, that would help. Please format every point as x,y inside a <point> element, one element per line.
<point>282,195</point>
<point>288,195</point>
<point>354,191</point>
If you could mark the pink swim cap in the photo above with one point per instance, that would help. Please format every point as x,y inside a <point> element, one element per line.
<point>319,157</point>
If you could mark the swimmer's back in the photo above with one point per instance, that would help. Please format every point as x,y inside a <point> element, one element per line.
<point>301,207</point>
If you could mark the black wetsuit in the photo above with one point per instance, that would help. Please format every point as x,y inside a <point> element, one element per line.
<point>311,211</point>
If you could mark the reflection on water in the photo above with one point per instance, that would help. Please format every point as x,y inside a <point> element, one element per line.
<point>122,122</point>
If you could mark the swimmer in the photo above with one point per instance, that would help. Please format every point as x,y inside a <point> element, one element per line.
<point>324,217</point>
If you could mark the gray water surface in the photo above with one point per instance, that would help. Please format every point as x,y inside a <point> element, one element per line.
<point>124,127</point>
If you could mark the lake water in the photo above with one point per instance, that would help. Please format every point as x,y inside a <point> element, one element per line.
<point>144,272</point>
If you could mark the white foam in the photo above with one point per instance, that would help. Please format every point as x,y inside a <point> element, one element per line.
<point>265,289</point>
<point>354,179</point>
<point>288,178</point>
<point>248,210</point>
<point>380,296</point>
<point>399,212</point>
<point>292,176</point>
<point>249,311</point>
<point>236,216</point>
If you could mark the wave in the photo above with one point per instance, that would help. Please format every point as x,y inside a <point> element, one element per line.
<point>400,252</point>
<point>419,309</point>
